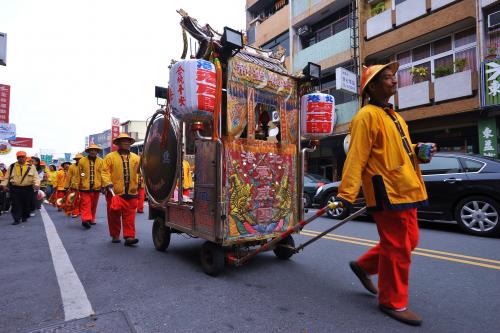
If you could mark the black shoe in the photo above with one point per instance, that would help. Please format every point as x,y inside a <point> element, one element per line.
<point>131,241</point>
<point>92,223</point>
<point>16,222</point>
<point>86,225</point>
<point>115,240</point>
<point>363,277</point>
<point>24,220</point>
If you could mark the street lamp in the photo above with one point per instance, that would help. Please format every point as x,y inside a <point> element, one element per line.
<point>312,72</point>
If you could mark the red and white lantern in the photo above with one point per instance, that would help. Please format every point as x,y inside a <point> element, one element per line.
<point>192,89</point>
<point>317,113</point>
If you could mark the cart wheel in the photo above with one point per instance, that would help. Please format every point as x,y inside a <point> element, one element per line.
<point>283,252</point>
<point>161,234</point>
<point>212,258</point>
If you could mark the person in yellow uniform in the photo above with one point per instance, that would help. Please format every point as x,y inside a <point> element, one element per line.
<point>73,184</point>
<point>60,185</point>
<point>51,180</point>
<point>21,181</point>
<point>120,177</point>
<point>90,173</point>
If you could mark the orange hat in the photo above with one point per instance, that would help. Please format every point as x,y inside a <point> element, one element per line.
<point>42,163</point>
<point>371,71</point>
<point>77,156</point>
<point>123,136</point>
<point>93,146</point>
<point>21,153</point>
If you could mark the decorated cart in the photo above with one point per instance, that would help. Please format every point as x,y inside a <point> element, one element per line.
<point>232,116</point>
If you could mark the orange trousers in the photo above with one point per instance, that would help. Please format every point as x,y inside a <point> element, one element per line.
<point>125,217</point>
<point>140,200</point>
<point>88,205</point>
<point>391,257</point>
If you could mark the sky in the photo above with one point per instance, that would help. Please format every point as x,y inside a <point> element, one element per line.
<point>74,64</point>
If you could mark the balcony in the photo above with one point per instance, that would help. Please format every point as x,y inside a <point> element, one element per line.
<point>414,95</point>
<point>454,86</point>
<point>345,112</point>
<point>273,26</point>
<point>485,3</point>
<point>409,10</point>
<point>300,6</point>
<point>436,4</point>
<point>318,52</point>
<point>379,23</point>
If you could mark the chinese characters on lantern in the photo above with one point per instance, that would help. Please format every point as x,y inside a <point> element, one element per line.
<point>206,86</point>
<point>318,115</point>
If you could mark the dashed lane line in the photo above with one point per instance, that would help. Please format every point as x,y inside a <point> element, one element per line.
<point>418,251</point>
<point>76,304</point>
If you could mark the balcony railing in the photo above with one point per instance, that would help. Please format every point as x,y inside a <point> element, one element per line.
<point>331,46</point>
<point>410,10</point>
<point>440,3</point>
<point>379,23</point>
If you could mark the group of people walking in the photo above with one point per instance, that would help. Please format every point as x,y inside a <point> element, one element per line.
<point>76,187</point>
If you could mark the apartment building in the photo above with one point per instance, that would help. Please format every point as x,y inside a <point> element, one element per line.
<point>438,44</point>
<point>318,31</point>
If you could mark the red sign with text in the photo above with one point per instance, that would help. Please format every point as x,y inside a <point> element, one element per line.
<point>22,142</point>
<point>115,131</point>
<point>4,103</point>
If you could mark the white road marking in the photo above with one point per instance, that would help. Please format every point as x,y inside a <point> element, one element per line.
<point>75,301</point>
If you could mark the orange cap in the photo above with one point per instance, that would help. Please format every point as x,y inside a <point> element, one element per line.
<point>21,153</point>
<point>371,71</point>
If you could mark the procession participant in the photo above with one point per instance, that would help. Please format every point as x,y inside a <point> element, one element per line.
<point>120,176</point>
<point>73,184</point>
<point>37,163</point>
<point>51,179</point>
<point>382,158</point>
<point>21,181</point>
<point>61,182</point>
<point>90,171</point>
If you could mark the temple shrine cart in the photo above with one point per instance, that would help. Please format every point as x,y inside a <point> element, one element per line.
<point>232,119</point>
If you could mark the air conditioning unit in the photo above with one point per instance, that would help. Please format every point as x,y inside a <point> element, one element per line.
<point>304,30</point>
<point>493,20</point>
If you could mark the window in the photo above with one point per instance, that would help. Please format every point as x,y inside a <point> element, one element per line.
<point>442,53</point>
<point>472,166</point>
<point>282,40</point>
<point>335,23</point>
<point>441,165</point>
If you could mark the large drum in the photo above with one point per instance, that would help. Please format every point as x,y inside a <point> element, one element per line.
<point>160,159</point>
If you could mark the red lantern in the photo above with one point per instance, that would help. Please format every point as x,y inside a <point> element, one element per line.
<point>317,113</point>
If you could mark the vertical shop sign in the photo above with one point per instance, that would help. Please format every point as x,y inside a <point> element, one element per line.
<point>488,137</point>
<point>115,131</point>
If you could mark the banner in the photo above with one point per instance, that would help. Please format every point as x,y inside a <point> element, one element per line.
<point>7,131</point>
<point>5,147</point>
<point>488,138</point>
<point>115,131</point>
<point>4,103</point>
<point>22,142</point>
<point>67,157</point>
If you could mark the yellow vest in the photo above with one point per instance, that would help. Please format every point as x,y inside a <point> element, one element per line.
<point>84,173</point>
<point>73,177</point>
<point>377,159</point>
<point>31,178</point>
<point>113,173</point>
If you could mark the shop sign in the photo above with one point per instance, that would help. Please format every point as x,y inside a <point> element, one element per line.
<point>4,103</point>
<point>22,142</point>
<point>7,131</point>
<point>488,142</point>
<point>345,80</point>
<point>490,79</point>
<point>115,132</point>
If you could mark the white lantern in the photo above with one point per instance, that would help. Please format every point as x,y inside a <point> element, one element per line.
<point>317,115</point>
<point>192,89</point>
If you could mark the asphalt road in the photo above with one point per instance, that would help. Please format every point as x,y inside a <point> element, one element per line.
<point>454,286</point>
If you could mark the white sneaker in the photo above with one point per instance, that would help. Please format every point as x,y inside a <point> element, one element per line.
<point>32,214</point>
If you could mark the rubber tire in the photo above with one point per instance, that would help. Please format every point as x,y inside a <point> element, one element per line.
<point>307,200</point>
<point>284,253</point>
<point>344,211</point>
<point>161,234</point>
<point>212,258</point>
<point>496,205</point>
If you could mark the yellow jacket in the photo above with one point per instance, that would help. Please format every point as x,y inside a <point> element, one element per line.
<point>52,175</point>
<point>113,173</point>
<point>84,173</point>
<point>60,180</point>
<point>188,179</point>
<point>72,178</point>
<point>31,178</point>
<point>378,160</point>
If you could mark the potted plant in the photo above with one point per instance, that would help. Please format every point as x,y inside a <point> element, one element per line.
<point>460,64</point>
<point>444,70</point>
<point>419,74</point>
<point>492,51</point>
<point>378,8</point>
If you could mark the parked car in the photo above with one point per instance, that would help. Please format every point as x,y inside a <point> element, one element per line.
<point>311,184</point>
<point>464,188</point>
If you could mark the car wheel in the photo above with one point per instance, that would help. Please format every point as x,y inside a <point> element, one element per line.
<point>478,215</point>
<point>307,200</point>
<point>337,213</point>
